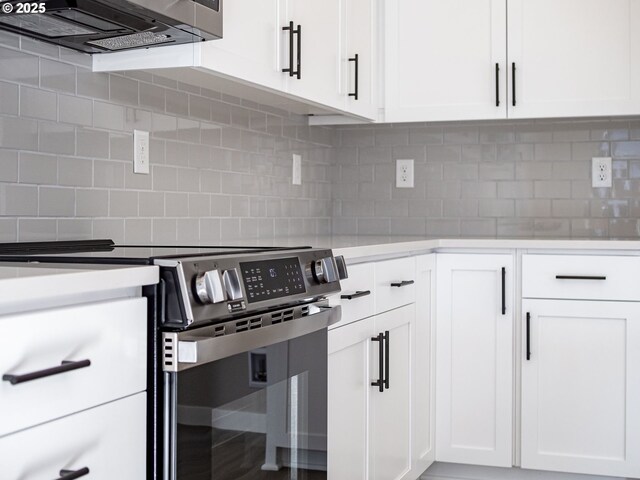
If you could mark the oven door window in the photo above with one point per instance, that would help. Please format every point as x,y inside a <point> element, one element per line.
<point>261,414</point>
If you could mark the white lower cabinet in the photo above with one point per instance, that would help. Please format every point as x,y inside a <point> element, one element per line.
<point>349,386</point>
<point>108,442</point>
<point>474,359</point>
<point>391,408</point>
<point>581,387</point>
<point>370,426</point>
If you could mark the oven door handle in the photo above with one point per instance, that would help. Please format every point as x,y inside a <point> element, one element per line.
<point>193,350</point>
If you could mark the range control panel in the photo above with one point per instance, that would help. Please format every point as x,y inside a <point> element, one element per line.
<point>274,278</point>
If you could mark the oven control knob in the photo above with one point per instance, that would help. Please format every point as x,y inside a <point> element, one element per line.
<point>325,270</point>
<point>209,287</point>
<point>342,267</point>
<point>231,283</point>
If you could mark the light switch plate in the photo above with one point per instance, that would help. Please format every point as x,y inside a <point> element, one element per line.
<point>296,174</point>
<point>404,173</point>
<point>141,152</point>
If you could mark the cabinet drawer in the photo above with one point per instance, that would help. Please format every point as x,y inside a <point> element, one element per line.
<point>109,440</point>
<point>358,304</point>
<point>110,335</point>
<point>394,283</point>
<point>580,277</point>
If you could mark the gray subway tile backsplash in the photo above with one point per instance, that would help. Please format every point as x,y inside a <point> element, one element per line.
<point>221,165</point>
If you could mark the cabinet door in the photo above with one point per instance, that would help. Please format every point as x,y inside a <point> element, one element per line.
<point>349,386</point>
<point>474,361</point>
<point>109,441</point>
<point>574,57</point>
<point>360,31</point>
<point>581,387</point>
<point>250,47</point>
<point>441,59</point>
<point>391,409</point>
<point>423,372</point>
<point>320,50</point>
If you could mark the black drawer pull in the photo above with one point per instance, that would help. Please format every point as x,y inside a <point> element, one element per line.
<point>358,294</point>
<point>403,283</point>
<point>66,366</point>
<point>73,474</point>
<point>504,301</point>
<point>380,382</point>
<point>580,277</point>
<point>387,357</point>
<point>513,83</point>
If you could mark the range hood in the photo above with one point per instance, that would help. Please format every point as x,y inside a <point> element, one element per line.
<point>99,26</point>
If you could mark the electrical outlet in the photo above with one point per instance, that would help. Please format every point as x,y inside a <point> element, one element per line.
<point>141,152</point>
<point>404,173</point>
<point>601,172</point>
<point>296,174</point>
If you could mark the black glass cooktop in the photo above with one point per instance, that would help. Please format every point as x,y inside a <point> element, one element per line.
<point>106,251</point>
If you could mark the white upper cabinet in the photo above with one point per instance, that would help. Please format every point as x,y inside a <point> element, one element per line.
<point>574,57</point>
<point>445,60</point>
<point>359,64</point>
<point>250,44</point>
<point>566,58</point>
<point>316,56</point>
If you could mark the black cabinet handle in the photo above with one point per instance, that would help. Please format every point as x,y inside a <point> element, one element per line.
<point>403,283</point>
<point>66,366</point>
<point>580,277</point>
<point>73,474</point>
<point>513,83</point>
<point>291,32</point>
<point>528,336</point>
<point>504,303</point>
<point>358,294</point>
<point>386,359</point>
<point>357,61</point>
<point>380,382</point>
<point>497,84</point>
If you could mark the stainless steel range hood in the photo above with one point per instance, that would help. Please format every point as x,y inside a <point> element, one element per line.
<point>99,26</point>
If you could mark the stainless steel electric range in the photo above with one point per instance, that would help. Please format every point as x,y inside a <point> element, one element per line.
<point>238,354</point>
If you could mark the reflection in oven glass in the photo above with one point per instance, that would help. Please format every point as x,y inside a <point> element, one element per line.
<point>257,415</point>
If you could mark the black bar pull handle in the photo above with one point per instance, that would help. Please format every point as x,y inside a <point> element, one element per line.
<point>358,294</point>
<point>528,336</point>
<point>387,357</point>
<point>380,382</point>
<point>73,474</point>
<point>580,277</point>
<point>403,283</point>
<point>497,84</point>
<point>66,366</point>
<point>299,53</point>
<point>291,32</point>
<point>357,61</point>
<point>513,83</point>
<point>504,299</point>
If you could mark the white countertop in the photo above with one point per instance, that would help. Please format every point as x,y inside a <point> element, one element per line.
<point>20,282</point>
<point>355,247</point>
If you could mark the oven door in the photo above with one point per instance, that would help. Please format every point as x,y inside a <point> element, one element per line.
<point>258,412</point>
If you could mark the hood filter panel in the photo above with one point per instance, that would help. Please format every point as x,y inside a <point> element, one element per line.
<point>141,39</point>
<point>47,25</point>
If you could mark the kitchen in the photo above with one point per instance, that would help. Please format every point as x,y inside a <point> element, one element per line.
<point>499,178</point>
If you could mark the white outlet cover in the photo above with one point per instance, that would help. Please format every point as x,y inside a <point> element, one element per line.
<point>296,174</point>
<point>141,152</point>
<point>601,172</point>
<point>404,173</point>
